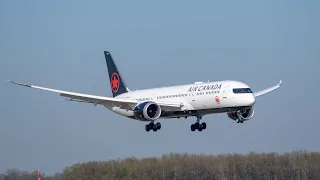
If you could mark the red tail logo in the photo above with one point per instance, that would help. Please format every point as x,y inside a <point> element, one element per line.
<point>115,82</point>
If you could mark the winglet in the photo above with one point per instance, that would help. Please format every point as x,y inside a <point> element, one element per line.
<point>265,91</point>
<point>21,84</point>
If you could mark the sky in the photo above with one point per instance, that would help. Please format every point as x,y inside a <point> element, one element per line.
<point>59,44</point>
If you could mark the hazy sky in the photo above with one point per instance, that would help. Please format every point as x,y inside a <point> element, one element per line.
<point>60,44</point>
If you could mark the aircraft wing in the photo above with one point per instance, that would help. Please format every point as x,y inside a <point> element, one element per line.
<point>107,101</point>
<point>265,91</point>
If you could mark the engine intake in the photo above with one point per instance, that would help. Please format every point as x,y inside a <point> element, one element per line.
<point>244,115</point>
<point>147,111</point>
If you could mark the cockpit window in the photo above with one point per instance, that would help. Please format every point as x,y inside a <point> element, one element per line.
<point>242,90</point>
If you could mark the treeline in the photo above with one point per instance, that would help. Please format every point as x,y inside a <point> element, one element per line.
<point>295,165</point>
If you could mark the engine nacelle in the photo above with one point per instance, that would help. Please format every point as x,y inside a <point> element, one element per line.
<point>243,115</point>
<point>147,111</point>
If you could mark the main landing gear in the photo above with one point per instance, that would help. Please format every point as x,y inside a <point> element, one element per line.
<point>152,126</point>
<point>197,125</point>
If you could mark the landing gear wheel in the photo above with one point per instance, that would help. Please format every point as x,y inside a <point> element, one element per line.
<point>147,128</point>
<point>197,125</point>
<point>239,121</point>
<point>204,125</point>
<point>155,128</point>
<point>193,127</point>
<point>158,125</point>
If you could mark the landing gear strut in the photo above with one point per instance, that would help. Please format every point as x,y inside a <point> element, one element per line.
<point>197,125</point>
<point>152,126</point>
<point>239,120</point>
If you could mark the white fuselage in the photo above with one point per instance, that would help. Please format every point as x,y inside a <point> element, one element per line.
<point>201,97</point>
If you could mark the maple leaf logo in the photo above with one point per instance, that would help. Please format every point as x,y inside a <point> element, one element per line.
<point>115,82</point>
<point>217,100</point>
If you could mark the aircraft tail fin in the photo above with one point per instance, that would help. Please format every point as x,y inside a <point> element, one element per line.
<point>116,81</point>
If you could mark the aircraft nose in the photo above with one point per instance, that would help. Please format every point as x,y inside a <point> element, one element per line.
<point>251,100</point>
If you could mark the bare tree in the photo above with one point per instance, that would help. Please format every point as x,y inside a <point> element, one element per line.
<point>269,166</point>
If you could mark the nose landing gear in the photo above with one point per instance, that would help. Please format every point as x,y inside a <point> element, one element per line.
<point>198,126</point>
<point>239,119</point>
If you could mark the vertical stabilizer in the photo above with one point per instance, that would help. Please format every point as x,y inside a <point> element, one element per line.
<point>116,81</point>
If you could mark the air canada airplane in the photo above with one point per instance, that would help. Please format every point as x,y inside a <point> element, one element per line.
<point>192,100</point>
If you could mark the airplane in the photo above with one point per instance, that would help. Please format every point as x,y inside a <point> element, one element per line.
<point>234,98</point>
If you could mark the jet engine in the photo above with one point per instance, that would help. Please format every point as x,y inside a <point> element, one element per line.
<point>242,115</point>
<point>147,111</point>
